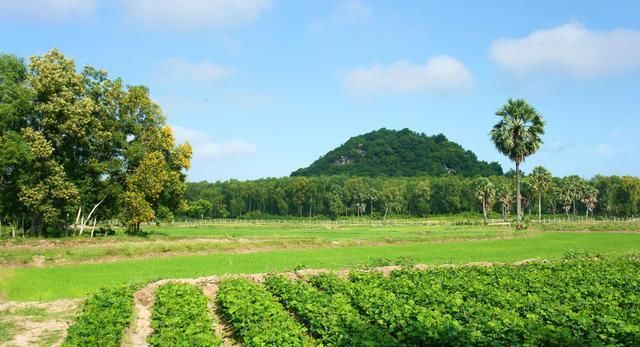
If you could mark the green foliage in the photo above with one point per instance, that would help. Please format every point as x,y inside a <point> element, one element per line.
<point>181,317</point>
<point>409,324</point>
<point>329,317</point>
<point>74,141</point>
<point>257,317</point>
<point>400,153</point>
<point>580,302</point>
<point>583,300</point>
<point>518,135</point>
<point>104,318</point>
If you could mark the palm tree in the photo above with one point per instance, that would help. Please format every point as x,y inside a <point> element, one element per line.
<point>518,135</point>
<point>485,192</point>
<point>541,181</point>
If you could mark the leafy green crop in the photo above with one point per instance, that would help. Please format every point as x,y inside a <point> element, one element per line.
<point>257,317</point>
<point>104,317</point>
<point>577,302</point>
<point>330,317</point>
<point>410,324</point>
<point>181,317</point>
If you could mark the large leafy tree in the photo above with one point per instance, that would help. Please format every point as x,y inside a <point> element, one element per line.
<point>75,141</point>
<point>517,135</point>
<point>540,180</point>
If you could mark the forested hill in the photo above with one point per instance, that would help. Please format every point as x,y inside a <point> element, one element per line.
<point>404,152</point>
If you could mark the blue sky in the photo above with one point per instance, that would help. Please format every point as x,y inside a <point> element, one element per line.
<point>263,87</point>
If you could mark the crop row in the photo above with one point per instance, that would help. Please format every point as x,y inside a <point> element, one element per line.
<point>257,317</point>
<point>103,319</point>
<point>330,317</point>
<point>409,324</point>
<point>571,302</point>
<point>181,317</point>
<point>562,303</point>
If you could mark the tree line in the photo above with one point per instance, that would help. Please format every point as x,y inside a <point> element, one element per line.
<point>79,147</point>
<point>337,196</point>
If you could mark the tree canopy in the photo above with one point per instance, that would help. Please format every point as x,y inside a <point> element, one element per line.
<point>517,135</point>
<point>79,145</point>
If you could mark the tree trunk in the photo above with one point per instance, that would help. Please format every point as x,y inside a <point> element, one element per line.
<point>386,209</point>
<point>518,202</point>
<point>93,228</point>
<point>539,207</point>
<point>75,224</point>
<point>484,210</point>
<point>84,221</point>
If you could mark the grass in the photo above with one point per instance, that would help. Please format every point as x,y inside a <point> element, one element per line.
<point>7,330</point>
<point>73,281</point>
<point>228,238</point>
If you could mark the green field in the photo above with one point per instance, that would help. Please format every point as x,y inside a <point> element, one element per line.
<point>457,246</point>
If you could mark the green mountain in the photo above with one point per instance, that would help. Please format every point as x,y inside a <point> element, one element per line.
<point>406,153</point>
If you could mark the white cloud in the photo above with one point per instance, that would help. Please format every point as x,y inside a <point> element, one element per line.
<point>570,48</point>
<point>46,9</point>
<point>346,11</point>
<point>608,150</point>
<point>193,14</point>
<point>556,147</point>
<point>203,71</point>
<point>206,149</point>
<point>439,74</point>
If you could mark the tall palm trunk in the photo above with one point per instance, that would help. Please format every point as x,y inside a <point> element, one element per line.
<point>484,210</point>
<point>539,207</point>
<point>518,202</point>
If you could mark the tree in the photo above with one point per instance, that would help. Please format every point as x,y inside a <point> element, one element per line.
<point>518,135</point>
<point>391,197</point>
<point>420,197</point>
<point>336,206</point>
<point>589,198</point>
<point>540,180</point>
<point>485,193</point>
<point>504,194</point>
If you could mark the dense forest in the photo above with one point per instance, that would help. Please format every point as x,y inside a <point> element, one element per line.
<point>79,147</point>
<point>336,196</point>
<point>402,153</point>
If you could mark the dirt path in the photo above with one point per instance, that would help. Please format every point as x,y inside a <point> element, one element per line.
<point>38,323</point>
<point>221,328</point>
<point>138,332</point>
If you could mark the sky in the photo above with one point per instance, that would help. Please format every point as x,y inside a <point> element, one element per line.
<point>261,88</point>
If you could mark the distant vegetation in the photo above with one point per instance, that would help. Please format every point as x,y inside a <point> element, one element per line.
<point>336,196</point>
<point>401,153</point>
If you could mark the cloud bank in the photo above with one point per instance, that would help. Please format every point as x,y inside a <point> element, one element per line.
<point>571,49</point>
<point>438,74</point>
<point>205,148</point>
<point>345,12</point>
<point>194,14</point>
<point>175,69</point>
<point>46,9</point>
